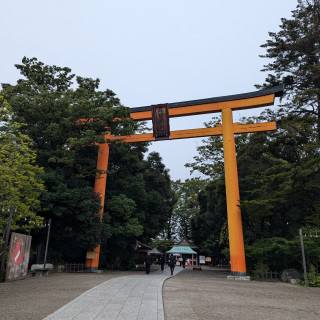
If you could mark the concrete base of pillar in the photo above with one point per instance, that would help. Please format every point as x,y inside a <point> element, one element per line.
<point>92,269</point>
<point>246,278</point>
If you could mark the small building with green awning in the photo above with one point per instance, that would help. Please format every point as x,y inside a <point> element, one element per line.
<point>181,250</point>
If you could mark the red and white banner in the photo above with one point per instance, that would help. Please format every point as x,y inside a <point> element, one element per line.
<point>18,259</point>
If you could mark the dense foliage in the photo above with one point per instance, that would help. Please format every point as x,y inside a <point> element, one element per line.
<point>279,172</point>
<point>20,185</point>
<point>65,121</point>
<point>49,105</point>
<point>139,201</point>
<point>294,57</point>
<point>185,208</point>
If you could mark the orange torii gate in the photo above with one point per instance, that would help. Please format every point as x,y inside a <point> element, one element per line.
<point>160,114</point>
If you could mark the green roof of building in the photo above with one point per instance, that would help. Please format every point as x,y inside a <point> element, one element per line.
<point>181,249</point>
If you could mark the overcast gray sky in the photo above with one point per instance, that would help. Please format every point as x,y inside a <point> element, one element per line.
<point>148,51</point>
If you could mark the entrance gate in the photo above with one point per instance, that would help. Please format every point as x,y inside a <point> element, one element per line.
<point>160,114</point>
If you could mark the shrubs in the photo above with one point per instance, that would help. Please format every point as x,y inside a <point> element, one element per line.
<point>277,253</point>
<point>280,254</point>
<point>313,277</point>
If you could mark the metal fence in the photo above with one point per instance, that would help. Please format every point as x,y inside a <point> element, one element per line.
<point>74,267</point>
<point>266,275</point>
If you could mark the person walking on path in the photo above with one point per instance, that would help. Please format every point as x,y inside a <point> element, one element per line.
<point>172,263</point>
<point>161,261</point>
<point>148,262</point>
<point>183,262</point>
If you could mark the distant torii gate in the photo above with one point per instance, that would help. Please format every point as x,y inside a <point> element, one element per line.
<point>160,114</point>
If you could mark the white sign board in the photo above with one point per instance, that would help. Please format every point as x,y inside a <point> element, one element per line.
<point>202,260</point>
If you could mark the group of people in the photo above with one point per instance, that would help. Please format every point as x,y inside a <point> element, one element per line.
<point>161,261</point>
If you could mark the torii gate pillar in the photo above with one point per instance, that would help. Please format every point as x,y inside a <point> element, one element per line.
<point>92,259</point>
<point>236,244</point>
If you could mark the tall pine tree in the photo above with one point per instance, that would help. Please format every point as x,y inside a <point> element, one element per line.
<point>294,55</point>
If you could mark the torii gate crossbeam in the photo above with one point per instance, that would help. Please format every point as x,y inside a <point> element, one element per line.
<point>225,105</point>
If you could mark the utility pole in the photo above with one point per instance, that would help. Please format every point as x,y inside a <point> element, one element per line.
<point>5,245</point>
<point>47,244</point>
<point>303,258</point>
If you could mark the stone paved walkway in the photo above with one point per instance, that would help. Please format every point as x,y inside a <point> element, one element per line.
<point>137,297</point>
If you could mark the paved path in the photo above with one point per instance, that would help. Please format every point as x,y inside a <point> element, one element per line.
<point>137,297</point>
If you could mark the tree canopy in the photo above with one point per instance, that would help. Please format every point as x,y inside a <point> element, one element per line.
<point>279,174</point>
<point>294,57</point>
<point>49,105</point>
<point>187,205</point>
<point>20,183</point>
<point>138,201</point>
<point>66,116</point>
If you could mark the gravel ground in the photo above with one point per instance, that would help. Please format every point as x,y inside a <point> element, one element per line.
<point>208,295</point>
<point>195,295</point>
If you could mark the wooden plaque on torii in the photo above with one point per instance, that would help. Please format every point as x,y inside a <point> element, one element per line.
<point>160,121</point>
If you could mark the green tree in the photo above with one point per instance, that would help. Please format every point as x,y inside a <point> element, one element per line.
<point>291,178</point>
<point>209,160</point>
<point>187,205</point>
<point>280,253</point>
<point>160,197</point>
<point>278,179</point>
<point>281,194</point>
<point>295,60</point>
<point>207,224</point>
<point>278,171</point>
<point>162,245</point>
<point>138,201</point>
<point>171,227</point>
<point>20,185</point>
<point>50,101</point>
<point>125,229</point>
